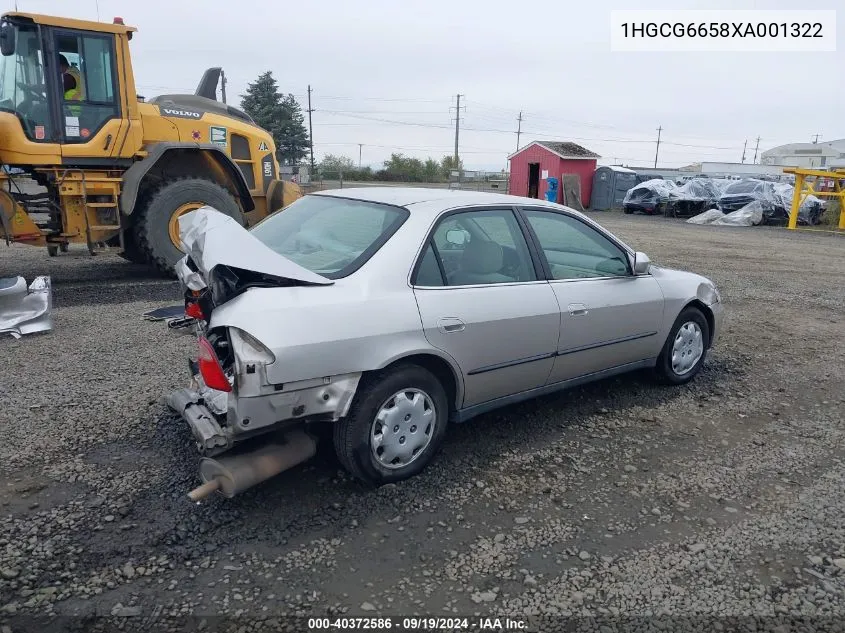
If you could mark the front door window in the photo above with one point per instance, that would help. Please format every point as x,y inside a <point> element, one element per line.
<point>89,99</point>
<point>22,87</point>
<point>575,250</point>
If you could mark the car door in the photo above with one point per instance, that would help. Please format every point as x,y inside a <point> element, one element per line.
<point>609,316</point>
<point>482,300</point>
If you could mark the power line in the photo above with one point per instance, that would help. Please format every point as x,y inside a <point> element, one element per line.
<point>341,98</point>
<point>439,112</point>
<point>434,148</point>
<point>536,132</point>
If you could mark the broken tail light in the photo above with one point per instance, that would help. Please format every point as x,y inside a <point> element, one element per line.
<point>193,309</point>
<point>210,367</point>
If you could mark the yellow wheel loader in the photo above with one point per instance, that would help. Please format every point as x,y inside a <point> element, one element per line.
<point>86,160</point>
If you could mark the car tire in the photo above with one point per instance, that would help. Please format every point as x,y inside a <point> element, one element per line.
<point>356,436</point>
<point>685,348</point>
<point>627,210</point>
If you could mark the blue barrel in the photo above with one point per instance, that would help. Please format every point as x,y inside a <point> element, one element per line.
<point>551,192</point>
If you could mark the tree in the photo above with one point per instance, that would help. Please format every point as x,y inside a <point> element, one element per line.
<point>432,170</point>
<point>400,167</point>
<point>280,115</point>
<point>447,166</point>
<point>336,164</point>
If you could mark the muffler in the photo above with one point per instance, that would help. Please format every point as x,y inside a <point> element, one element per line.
<point>232,474</point>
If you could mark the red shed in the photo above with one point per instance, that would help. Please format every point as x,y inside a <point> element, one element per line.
<point>530,164</point>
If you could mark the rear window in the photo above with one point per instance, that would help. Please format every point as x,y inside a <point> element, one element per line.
<point>330,236</point>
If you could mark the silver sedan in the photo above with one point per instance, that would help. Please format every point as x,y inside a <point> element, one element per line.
<point>391,312</point>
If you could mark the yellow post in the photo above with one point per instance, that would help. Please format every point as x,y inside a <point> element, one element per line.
<point>796,200</point>
<point>840,197</point>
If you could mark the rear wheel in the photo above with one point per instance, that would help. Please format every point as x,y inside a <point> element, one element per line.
<point>156,230</point>
<point>395,425</point>
<point>685,348</point>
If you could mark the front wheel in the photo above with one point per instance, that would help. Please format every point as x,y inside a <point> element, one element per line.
<point>685,348</point>
<point>395,425</point>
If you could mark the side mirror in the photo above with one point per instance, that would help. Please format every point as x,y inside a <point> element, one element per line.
<point>641,263</point>
<point>7,39</point>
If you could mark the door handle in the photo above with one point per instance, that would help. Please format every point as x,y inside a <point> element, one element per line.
<point>577,309</point>
<point>450,324</point>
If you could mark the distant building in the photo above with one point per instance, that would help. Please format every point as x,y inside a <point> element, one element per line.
<point>734,170</point>
<point>805,154</point>
<point>532,164</point>
<point>646,173</point>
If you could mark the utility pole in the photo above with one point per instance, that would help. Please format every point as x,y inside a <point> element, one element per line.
<point>457,130</point>
<point>518,130</point>
<point>360,148</point>
<point>816,138</point>
<point>223,84</point>
<point>310,128</point>
<point>657,149</point>
<point>756,147</point>
<point>743,151</point>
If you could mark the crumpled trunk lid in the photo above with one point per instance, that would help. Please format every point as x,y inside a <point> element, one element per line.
<point>212,239</point>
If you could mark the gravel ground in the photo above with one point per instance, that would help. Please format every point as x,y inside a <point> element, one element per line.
<point>706,505</point>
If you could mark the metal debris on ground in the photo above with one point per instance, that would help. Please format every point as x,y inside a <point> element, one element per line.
<point>164,314</point>
<point>25,310</point>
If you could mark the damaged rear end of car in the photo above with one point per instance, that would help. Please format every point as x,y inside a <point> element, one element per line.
<point>231,398</point>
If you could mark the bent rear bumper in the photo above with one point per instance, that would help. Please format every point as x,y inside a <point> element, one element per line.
<point>218,420</point>
<point>210,436</point>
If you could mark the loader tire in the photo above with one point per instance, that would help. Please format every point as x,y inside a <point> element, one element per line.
<point>152,230</point>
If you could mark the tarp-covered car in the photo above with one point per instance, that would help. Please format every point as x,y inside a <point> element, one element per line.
<point>649,197</point>
<point>775,199</point>
<point>695,196</point>
<point>666,197</point>
<point>389,312</point>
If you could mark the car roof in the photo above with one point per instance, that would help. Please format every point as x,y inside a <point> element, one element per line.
<point>424,201</point>
<point>430,198</point>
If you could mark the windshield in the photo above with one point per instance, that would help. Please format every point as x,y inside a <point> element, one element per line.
<point>330,236</point>
<point>22,82</point>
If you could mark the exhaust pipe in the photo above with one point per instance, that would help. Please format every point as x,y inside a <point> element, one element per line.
<point>232,474</point>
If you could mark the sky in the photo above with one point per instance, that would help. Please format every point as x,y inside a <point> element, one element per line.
<point>385,75</point>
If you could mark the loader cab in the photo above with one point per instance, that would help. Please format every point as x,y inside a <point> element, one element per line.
<point>55,105</point>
